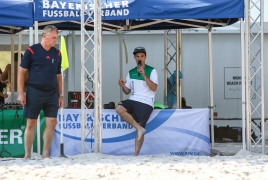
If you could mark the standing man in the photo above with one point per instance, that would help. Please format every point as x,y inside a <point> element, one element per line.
<point>44,88</point>
<point>141,82</point>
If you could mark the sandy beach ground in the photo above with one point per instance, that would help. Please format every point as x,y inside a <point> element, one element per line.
<point>243,165</point>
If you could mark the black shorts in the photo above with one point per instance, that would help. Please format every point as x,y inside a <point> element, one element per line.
<point>140,112</point>
<point>37,100</point>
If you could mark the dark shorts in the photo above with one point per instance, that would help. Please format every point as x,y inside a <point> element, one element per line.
<point>37,100</point>
<point>140,112</point>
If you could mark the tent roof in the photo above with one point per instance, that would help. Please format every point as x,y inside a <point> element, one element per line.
<point>142,14</point>
<point>15,15</point>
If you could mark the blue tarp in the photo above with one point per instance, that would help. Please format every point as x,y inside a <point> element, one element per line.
<point>16,13</point>
<point>20,12</point>
<point>143,11</point>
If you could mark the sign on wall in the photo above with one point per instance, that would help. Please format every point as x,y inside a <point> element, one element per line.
<point>233,83</point>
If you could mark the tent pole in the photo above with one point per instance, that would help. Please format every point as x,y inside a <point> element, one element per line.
<point>12,67</point>
<point>31,43</point>
<point>242,33</point>
<point>120,63</point>
<point>19,49</point>
<point>248,126</point>
<point>178,68</point>
<point>97,77</point>
<point>30,36</point>
<point>73,61</point>
<point>211,84</point>
<point>38,119</point>
<point>165,64</point>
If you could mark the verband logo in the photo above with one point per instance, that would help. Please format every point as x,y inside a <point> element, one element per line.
<point>110,122</point>
<point>72,10</point>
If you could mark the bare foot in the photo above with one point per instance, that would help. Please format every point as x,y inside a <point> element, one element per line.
<point>140,132</point>
<point>46,157</point>
<point>43,157</point>
<point>45,154</point>
<point>26,156</point>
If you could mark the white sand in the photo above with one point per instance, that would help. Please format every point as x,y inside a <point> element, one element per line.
<point>244,165</point>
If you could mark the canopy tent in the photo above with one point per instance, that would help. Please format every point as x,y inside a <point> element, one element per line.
<point>142,14</point>
<point>15,15</point>
<point>123,15</point>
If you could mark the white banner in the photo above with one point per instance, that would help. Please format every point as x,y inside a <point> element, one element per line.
<point>168,132</point>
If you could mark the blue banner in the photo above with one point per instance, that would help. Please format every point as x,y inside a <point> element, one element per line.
<point>68,10</point>
<point>168,132</point>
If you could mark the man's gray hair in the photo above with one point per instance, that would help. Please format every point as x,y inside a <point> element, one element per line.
<point>47,29</point>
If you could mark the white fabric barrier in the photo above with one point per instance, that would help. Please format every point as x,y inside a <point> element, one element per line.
<point>168,132</point>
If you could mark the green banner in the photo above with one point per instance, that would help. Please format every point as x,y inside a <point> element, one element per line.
<point>12,127</point>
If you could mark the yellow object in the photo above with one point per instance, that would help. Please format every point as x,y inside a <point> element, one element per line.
<point>64,55</point>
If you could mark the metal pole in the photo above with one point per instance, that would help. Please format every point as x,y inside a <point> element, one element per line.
<point>31,43</point>
<point>82,77</point>
<point>211,85</point>
<point>120,63</point>
<point>100,77</point>
<point>38,119</point>
<point>30,36</point>
<point>73,59</point>
<point>165,64</point>
<point>247,22</point>
<point>97,76</point>
<point>262,78</point>
<point>12,68</point>
<point>242,33</point>
<point>19,49</point>
<point>178,68</point>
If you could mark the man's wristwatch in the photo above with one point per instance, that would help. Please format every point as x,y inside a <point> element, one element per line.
<point>61,95</point>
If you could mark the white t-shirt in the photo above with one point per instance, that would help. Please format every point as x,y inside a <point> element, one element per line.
<point>139,89</point>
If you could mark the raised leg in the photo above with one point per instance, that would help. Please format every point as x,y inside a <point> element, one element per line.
<point>129,119</point>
